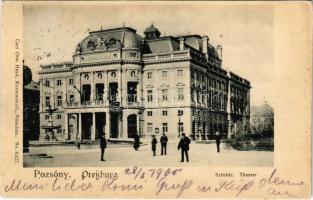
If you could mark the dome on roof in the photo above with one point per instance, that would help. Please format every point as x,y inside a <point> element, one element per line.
<point>151,29</point>
<point>151,32</point>
<point>110,39</point>
<point>212,50</point>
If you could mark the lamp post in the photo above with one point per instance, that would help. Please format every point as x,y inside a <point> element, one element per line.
<point>141,109</point>
<point>179,114</point>
<point>193,127</point>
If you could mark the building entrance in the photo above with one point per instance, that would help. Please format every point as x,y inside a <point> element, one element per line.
<point>100,123</point>
<point>86,126</point>
<point>114,125</point>
<point>131,125</point>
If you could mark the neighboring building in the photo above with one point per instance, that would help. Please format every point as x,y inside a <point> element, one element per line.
<point>30,108</point>
<point>125,83</point>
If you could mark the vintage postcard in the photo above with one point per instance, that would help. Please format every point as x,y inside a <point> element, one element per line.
<point>164,99</point>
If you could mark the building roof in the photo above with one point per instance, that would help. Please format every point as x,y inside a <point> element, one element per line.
<point>105,40</point>
<point>195,41</point>
<point>32,86</point>
<point>163,44</point>
<point>151,29</point>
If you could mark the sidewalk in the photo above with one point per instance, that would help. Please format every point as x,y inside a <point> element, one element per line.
<point>201,155</point>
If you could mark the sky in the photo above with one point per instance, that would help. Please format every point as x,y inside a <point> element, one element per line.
<point>52,31</point>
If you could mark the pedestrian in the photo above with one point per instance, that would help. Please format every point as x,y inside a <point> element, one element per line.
<point>136,141</point>
<point>103,145</point>
<point>153,144</point>
<point>218,141</point>
<point>163,141</point>
<point>184,146</point>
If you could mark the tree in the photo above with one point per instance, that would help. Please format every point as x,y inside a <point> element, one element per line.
<point>262,121</point>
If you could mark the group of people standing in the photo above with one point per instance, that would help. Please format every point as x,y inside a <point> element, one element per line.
<point>183,144</point>
<point>163,141</point>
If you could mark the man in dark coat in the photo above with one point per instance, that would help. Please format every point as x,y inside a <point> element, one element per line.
<point>153,144</point>
<point>163,141</point>
<point>184,146</point>
<point>218,141</point>
<point>136,141</point>
<point>103,144</point>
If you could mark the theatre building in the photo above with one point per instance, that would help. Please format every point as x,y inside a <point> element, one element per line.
<point>123,83</point>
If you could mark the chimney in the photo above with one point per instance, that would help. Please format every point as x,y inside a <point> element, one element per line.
<point>205,40</point>
<point>181,44</point>
<point>219,49</point>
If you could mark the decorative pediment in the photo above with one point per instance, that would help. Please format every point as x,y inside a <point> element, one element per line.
<point>91,45</point>
<point>59,92</point>
<point>164,86</point>
<point>70,92</point>
<point>149,86</point>
<point>47,93</point>
<point>180,84</point>
<point>112,41</point>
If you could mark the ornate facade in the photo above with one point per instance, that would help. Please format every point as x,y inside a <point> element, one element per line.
<point>124,83</point>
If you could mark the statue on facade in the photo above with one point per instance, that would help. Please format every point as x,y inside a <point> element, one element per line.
<point>78,48</point>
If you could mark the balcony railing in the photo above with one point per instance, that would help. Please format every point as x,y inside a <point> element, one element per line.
<point>88,104</point>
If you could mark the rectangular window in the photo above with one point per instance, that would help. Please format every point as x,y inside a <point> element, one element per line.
<point>180,127</point>
<point>59,100</point>
<point>59,82</point>
<point>59,116</point>
<point>149,113</point>
<point>164,112</point>
<point>150,96</point>
<point>59,130</point>
<point>180,93</point>
<point>164,94</point>
<point>47,83</point>
<point>46,117</point>
<point>47,100</point>
<point>71,98</point>
<point>164,128</point>
<point>132,54</point>
<point>180,112</point>
<point>164,74</point>
<point>149,75</point>
<point>180,73</point>
<point>150,128</point>
<point>70,81</point>
<point>70,128</point>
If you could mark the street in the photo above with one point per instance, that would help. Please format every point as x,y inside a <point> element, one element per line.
<point>201,155</point>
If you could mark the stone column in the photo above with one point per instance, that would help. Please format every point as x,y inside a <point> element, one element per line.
<point>79,120</point>
<point>93,128</point>
<point>139,90</point>
<point>120,86</point>
<point>125,124</point>
<point>228,109</point>
<point>66,125</point>
<point>64,95</point>
<point>138,124</point>
<point>106,87</point>
<point>107,124</point>
<point>124,88</point>
<point>42,99</point>
<point>92,92</point>
<point>120,125</point>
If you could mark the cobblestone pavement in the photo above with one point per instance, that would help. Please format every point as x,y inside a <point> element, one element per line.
<point>202,155</point>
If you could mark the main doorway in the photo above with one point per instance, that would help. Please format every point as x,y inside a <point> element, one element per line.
<point>100,123</point>
<point>131,125</point>
<point>86,126</point>
<point>114,125</point>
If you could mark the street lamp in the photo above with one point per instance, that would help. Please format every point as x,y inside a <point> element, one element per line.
<point>193,127</point>
<point>141,109</point>
<point>179,114</point>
